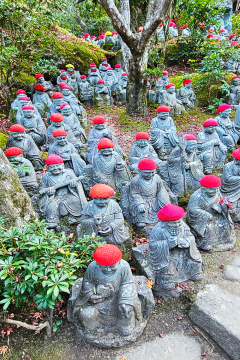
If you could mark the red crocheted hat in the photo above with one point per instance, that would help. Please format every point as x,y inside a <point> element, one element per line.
<point>142,135</point>
<point>12,151</point>
<point>100,82</point>
<point>87,34</point>
<point>25,98</point>
<point>221,31</point>
<point>105,143</point>
<point>83,77</point>
<point>174,25</point>
<point>164,72</point>
<point>109,68</point>
<point>53,159</point>
<point>210,181</point>
<point>210,122</point>
<point>101,37</point>
<point>115,33</point>
<point>187,81</point>
<point>57,95</point>
<point>147,164</point>
<point>38,76</point>
<point>223,107</point>
<point>62,71</point>
<point>170,85</point>
<point>56,117</point>
<point>99,120</point>
<point>236,154</point>
<point>234,43</point>
<point>20,91</point>
<point>92,64</point>
<point>92,37</point>
<point>140,28</point>
<point>66,87</point>
<point>63,105</point>
<point>171,23</point>
<point>185,26</point>
<point>117,66</point>
<point>236,77</point>
<point>171,212</point>
<point>124,74</point>
<point>210,36</point>
<point>62,84</point>
<point>107,255</point>
<point>163,108</point>
<point>27,107</point>
<point>231,36</point>
<point>101,191</point>
<point>104,59</point>
<point>39,87</point>
<point>59,132</point>
<point>17,128</point>
<point>211,29</point>
<point>190,137</point>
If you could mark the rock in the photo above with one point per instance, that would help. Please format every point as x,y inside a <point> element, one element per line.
<point>232,271</point>
<point>217,312</point>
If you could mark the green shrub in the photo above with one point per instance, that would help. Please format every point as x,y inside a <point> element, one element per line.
<point>3,140</point>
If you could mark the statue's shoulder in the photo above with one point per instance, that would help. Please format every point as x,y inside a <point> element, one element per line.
<point>125,265</point>
<point>70,173</point>
<point>201,136</point>
<point>66,127</point>
<point>135,179</point>
<point>195,196</point>
<point>114,205</point>
<point>157,231</point>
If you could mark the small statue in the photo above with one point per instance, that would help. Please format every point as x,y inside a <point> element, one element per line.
<point>93,66</point>
<point>226,129</point>
<point>117,44</point>
<point>103,67</point>
<point>85,91</point>
<point>18,138</point>
<point>71,119</point>
<point>16,103</point>
<point>93,77</point>
<point>78,110</point>
<point>187,96</point>
<point>66,151</point>
<point>163,133</point>
<point>109,41</point>
<point>111,306</point>
<point>208,216</point>
<point>24,169</point>
<point>101,41</point>
<point>211,151</point>
<point>103,217</point>
<point>169,98</point>
<point>87,37</point>
<point>98,132</point>
<point>74,77</point>
<point>46,84</point>
<point>34,126</point>
<point>102,96</point>
<point>186,31</point>
<point>118,71</point>
<point>60,194</point>
<point>63,78</point>
<point>173,30</point>
<point>93,40</point>
<point>41,100</point>
<point>161,84</point>
<point>160,33</point>
<point>24,100</point>
<point>111,80</point>
<point>234,97</point>
<point>115,35</point>
<point>121,90</point>
<point>57,98</point>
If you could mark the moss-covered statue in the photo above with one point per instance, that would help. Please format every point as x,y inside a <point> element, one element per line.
<point>102,96</point>
<point>161,84</point>
<point>18,138</point>
<point>85,91</point>
<point>24,169</point>
<point>25,100</point>
<point>103,67</point>
<point>74,77</point>
<point>66,151</point>
<point>111,80</point>
<point>118,71</point>
<point>163,133</point>
<point>41,100</point>
<point>169,98</point>
<point>16,103</point>
<point>171,256</point>
<point>121,90</point>
<point>109,306</point>
<point>57,99</point>
<point>211,151</point>
<point>77,108</point>
<point>93,77</point>
<point>93,66</point>
<point>209,218</point>
<point>71,119</point>
<point>186,95</point>
<point>109,41</point>
<point>60,193</point>
<point>46,84</point>
<point>234,97</point>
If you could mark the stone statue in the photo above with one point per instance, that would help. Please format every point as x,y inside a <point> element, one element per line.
<point>187,96</point>
<point>71,119</point>
<point>111,80</point>
<point>93,40</point>
<point>93,66</point>
<point>18,138</point>
<point>60,193</point>
<point>173,30</point>
<point>117,45</point>
<point>24,100</point>
<point>234,97</point>
<point>34,126</point>
<point>87,37</point>
<point>121,90</point>
<point>63,78</point>
<point>98,132</point>
<point>169,99</point>
<point>57,99</point>
<point>110,306</point>
<point>160,33</point>
<point>225,19</point>
<point>163,134</point>
<point>186,31</point>
<point>171,256</point>
<point>16,103</point>
<point>102,96</point>
<point>41,100</point>
<point>66,151</point>
<point>74,77</point>
<point>208,216</point>
<point>103,67</point>
<point>118,71</point>
<point>115,35</point>
<point>109,41</point>
<point>211,151</point>
<point>161,84</point>
<point>226,129</point>
<point>24,169</point>
<point>93,77</point>
<point>101,41</point>
<point>77,109</point>
<point>85,91</point>
<point>103,217</point>
<point>46,84</point>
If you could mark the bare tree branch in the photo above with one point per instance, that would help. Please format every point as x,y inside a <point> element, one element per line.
<point>28,326</point>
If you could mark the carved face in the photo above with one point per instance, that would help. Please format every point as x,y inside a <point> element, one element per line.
<point>66,110</point>
<point>109,72</point>
<point>24,102</point>
<point>39,92</point>
<point>40,80</point>
<point>163,115</point>
<point>209,192</point>
<point>188,86</point>
<point>174,225</point>
<point>236,82</point>
<point>100,86</point>
<point>147,174</point>
<point>104,62</point>
<point>55,169</point>
<point>70,69</point>
<point>101,202</point>
<point>20,95</point>
<point>236,162</point>
<point>83,80</point>
<point>209,129</point>
<point>171,90</point>
<point>226,113</point>
<point>109,270</point>
<point>124,79</point>
<point>99,126</point>
<point>118,69</point>
<point>16,158</point>
<point>28,113</point>
<point>57,124</point>
<point>106,152</point>
<point>66,92</point>
<point>165,77</point>
<point>142,142</point>
<point>93,67</point>
<point>18,135</point>
<point>58,101</point>
<point>61,140</point>
<point>191,146</point>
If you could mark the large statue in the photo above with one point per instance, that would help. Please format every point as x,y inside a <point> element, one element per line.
<point>102,95</point>
<point>85,91</point>
<point>234,97</point>
<point>103,67</point>
<point>71,119</point>
<point>41,100</point>
<point>208,216</point>
<point>186,95</point>
<point>163,133</point>
<point>111,80</point>
<point>169,99</point>
<point>57,98</point>
<point>60,193</point>
<point>74,77</point>
<point>109,306</point>
<point>118,71</point>
<point>93,77</point>
<point>77,109</point>
<point>121,90</point>
<point>172,256</point>
<point>66,151</point>
<point>211,151</point>
<point>93,66</point>
<point>161,84</point>
<point>103,216</point>
<point>16,103</point>
<point>46,84</point>
<point>98,132</point>
<point>24,169</point>
<point>18,138</point>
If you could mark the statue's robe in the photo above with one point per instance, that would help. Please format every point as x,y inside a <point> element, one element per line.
<point>42,99</point>
<point>93,78</point>
<point>161,88</point>
<point>16,104</point>
<point>29,148</point>
<point>36,128</point>
<point>188,98</point>
<point>184,179</point>
<point>97,71</point>
<point>74,79</point>
<point>150,193</point>
<point>138,153</point>
<point>173,32</point>
<point>111,216</point>
<point>217,232</point>
<point>28,179</point>
<point>172,264</point>
<point>118,73</point>
<point>172,102</point>
<point>102,96</point>
<point>103,69</point>
<point>230,188</point>
<point>85,92</point>
<point>20,114</point>
<point>161,132</point>
<point>234,97</point>
<point>77,109</point>
<point>111,82</point>
<point>186,32</point>
<point>76,127</point>
<point>70,157</point>
<point>227,132</point>
<point>71,138</point>
<point>55,109</point>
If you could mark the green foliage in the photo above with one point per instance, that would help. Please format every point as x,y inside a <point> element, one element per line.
<point>236,24</point>
<point>43,66</point>
<point>3,141</point>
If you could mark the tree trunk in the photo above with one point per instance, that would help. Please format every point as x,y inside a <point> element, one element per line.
<point>126,53</point>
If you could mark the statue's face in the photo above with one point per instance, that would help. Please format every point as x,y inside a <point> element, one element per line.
<point>70,69</point>
<point>163,115</point>
<point>191,146</point>
<point>61,140</point>
<point>16,158</point>
<point>56,124</point>
<point>104,62</point>
<point>101,202</point>
<point>106,152</point>
<point>209,129</point>
<point>40,80</point>
<point>100,86</point>
<point>236,162</point>
<point>28,113</point>
<point>58,101</point>
<point>39,92</point>
<point>109,72</point>
<point>83,80</point>
<point>142,142</point>
<point>93,67</point>
<point>55,169</point>
<point>236,82</point>
<point>226,113</point>
<point>174,225</point>
<point>210,192</point>
<point>117,69</point>
<point>171,90</point>
<point>99,126</point>
<point>109,270</point>
<point>18,135</point>
<point>165,77</point>
<point>66,92</point>
<point>66,110</point>
<point>24,102</point>
<point>20,95</point>
<point>188,86</point>
<point>147,174</point>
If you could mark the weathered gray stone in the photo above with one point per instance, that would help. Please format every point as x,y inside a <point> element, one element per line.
<point>232,271</point>
<point>217,312</point>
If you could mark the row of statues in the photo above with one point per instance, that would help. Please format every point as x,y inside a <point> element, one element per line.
<point>110,41</point>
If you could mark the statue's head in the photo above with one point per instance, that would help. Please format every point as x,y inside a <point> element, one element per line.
<point>87,37</point>
<point>66,90</point>
<point>142,139</point>
<point>124,80</point>
<point>100,84</point>
<point>70,68</point>
<point>57,98</point>
<point>17,132</point>
<point>236,157</point>
<point>110,71</point>
<point>165,75</point>
<point>118,68</point>
<point>209,126</point>
<point>20,93</point>
<point>210,185</point>
<point>172,216</point>
<point>163,112</point>
<point>39,89</point>
<point>83,78</point>
<point>104,61</point>
<point>224,110</point>
<point>40,78</point>
<point>101,194</point>
<point>65,109</point>
<point>236,80</point>
<point>191,143</point>
<point>187,83</point>
<point>147,168</point>
<point>60,137</point>
<point>14,154</point>
<point>28,111</point>
<point>99,122</point>
<point>93,66</point>
<point>105,147</point>
<point>24,100</point>
<point>54,164</point>
<point>108,258</point>
<point>56,120</point>
<point>170,88</point>
<point>63,75</point>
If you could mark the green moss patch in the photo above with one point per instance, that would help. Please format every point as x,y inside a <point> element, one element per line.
<point>3,140</point>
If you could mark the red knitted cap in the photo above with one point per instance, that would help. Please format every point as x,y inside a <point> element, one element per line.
<point>210,36</point>
<point>107,255</point>
<point>99,120</point>
<point>66,87</point>
<point>140,28</point>
<point>12,151</point>
<point>147,164</point>
<point>171,212</point>
<point>83,77</point>
<point>62,84</point>
<point>236,154</point>
<point>59,132</point>
<point>53,159</point>
<point>171,23</point>
<point>124,74</point>
<point>114,33</point>
<point>169,85</point>
<point>174,25</point>
<point>210,181</point>
<point>101,191</point>
<point>63,105</point>
<point>234,43</point>
<point>62,71</point>
<point>92,37</point>
<point>105,143</point>
<point>56,117</point>
<point>236,77</point>
<point>57,95</point>
<point>109,68</point>
<point>184,26</point>
<point>187,81</point>
<point>25,98</point>
<point>210,122</point>
<point>38,76</point>
<point>164,72</point>
<point>87,34</point>
<point>100,82</point>
<point>39,87</point>
<point>223,107</point>
<point>231,36</point>
<point>117,66</point>
<point>190,137</point>
<point>221,31</point>
<point>17,128</point>
<point>163,108</point>
<point>142,135</point>
<point>104,59</point>
<point>27,107</point>
<point>211,29</point>
<point>92,64</point>
<point>20,91</point>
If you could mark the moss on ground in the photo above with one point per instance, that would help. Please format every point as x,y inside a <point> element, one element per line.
<point>3,140</point>
<point>128,123</point>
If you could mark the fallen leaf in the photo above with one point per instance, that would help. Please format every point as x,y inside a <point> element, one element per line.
<point>233,252</point>
<point>150,283</point>
<point>3,350</point>
<point>203,353</point>
<point>159,301</point>
<point>27,342</point>
<point>34,323</point>
<point>8,330</point>
<point>37,332</point>
<point>221,266</point>
<point>161,334</point>
<point>179,318</point>
<point>123,358</point>
<point>28,357</point>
